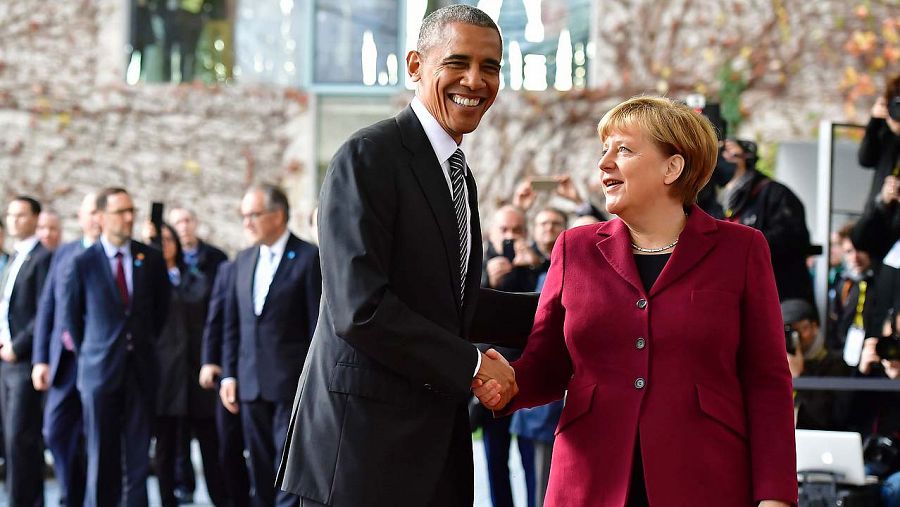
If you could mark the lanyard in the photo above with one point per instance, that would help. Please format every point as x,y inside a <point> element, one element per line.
<point>860,304</point>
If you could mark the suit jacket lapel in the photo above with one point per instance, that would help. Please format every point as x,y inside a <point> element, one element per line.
<point>693,245</point>
<point>287,258</point>
<point>473,275</point>
<point>431,179</point>
<point>615,246</point>
<point>137,273</point>
<point>245,273</point>
<point>106,270</point>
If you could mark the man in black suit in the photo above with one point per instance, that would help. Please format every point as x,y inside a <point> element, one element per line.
<point>228,425</point>
<point>270,319</point>
<point>54,363</point>
<point>117,296</point>
<point>20,290</point>
<point>380,417</point>
<point>198,255</point>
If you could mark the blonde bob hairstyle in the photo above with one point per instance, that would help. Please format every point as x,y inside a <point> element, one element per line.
<point>676,130</point>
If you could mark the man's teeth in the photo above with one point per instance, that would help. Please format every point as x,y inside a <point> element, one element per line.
<point>464,101</point>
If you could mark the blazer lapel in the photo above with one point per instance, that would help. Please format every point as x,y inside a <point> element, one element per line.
<point>431,179</point>
<point>693,245</point>
<point>615,246</point>
<point>244,274</point>
<point>106,270</point>
<point>287,258</point>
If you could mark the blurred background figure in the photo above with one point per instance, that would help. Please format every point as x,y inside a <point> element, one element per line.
<point>54,367</point>
<point>20,290</point>
<point>753,199</point>
<point>49,229</point>
<point>880,147</point>
<point>854,300</point>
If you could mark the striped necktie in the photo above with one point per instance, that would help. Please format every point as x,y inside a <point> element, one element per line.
<point>457,168</point>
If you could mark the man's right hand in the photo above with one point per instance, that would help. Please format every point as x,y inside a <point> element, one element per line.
<point>40,376</point>
<point>868,356</point>
<point>495,383</point>
<point>208,375</point>
<point>879,109</point>
<point>890,190</point>
<point>228,395</point>
<point>497,269</point>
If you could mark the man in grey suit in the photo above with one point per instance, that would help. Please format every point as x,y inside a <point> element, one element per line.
<point>380,414</point>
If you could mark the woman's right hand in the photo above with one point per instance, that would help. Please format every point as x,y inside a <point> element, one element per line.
<point>488,393</point>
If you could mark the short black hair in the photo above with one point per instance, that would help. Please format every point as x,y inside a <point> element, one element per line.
<point>433,25</point>
<point>32,203</point>
<point>104,195</point>
<point>275,198</point>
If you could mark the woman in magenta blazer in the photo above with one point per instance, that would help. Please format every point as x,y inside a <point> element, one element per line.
<point>663,330</point>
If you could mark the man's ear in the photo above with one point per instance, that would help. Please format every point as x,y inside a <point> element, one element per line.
<point>674,168</point>
<point>413,65</point>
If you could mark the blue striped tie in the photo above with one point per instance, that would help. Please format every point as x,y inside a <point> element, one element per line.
<point>457,166</point>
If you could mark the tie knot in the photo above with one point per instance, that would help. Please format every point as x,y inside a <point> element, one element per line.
<point>119,256</point>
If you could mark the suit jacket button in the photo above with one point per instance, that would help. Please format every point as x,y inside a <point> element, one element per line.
<point>428,387</point>
<point>642,303</point>
<point>639,383</point>
<point>640,343</point>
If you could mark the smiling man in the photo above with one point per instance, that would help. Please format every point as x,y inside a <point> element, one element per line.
<point>381,414</point>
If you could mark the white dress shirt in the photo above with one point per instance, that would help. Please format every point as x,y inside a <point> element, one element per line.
<point>22,248</point>
<point>444,146</point>
<point>127,262</point>
<point>266,265</point>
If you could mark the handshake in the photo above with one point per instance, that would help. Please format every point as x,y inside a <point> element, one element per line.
<point>495,383</point>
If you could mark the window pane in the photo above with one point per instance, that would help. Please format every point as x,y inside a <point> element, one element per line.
<point>180,41</point>
<point>357,42</point>
<point>269,42</point>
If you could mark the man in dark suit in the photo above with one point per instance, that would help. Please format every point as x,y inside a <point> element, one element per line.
<point>54,363</point>
<point>381,413</point>
<point>197,255</point>
<point>20,289</point>
<point>228,425</point>
<point>116,300</point>
<point>270,319</point>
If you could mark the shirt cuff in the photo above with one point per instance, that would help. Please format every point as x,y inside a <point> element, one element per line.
<point>228,380</point>
<point>478,364</point>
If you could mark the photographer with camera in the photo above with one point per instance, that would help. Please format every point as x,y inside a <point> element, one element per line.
<point>880,147</point>
<point>807,356</point>
<point>755,200</point>
<point>877,414</point>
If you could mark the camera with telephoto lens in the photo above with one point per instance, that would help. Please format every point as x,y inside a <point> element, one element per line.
<point>791,338</point>
<point>894,107</point>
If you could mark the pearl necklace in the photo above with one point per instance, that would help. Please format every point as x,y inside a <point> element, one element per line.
<point>655,250</point>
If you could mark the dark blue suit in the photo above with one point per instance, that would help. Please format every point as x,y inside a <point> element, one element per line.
<point>117,368</point>
<point>228,425</point>
<point>265,354</point>
<point>63,429</point>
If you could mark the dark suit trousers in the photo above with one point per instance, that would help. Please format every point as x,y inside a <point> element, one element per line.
<point>496,449</point>
<point>168,436</point>
<point>118,425</point>
<point>231,456</point>
<point>64,431</point>
<point>265,430</point>
<point>22,435</point>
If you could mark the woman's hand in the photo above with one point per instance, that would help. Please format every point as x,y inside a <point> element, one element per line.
<point>773,503</point>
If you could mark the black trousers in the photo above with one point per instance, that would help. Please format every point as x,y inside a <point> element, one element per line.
<point>64,431</point>
<point>167,443</point>
<point>265,430</point>
<point>22,435</point>
<point>231,457</point>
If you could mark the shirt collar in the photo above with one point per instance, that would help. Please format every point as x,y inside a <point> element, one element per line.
<point>111,251</point>
<point>443,145</point>
<point>26,245</point>
<point>279,245</point>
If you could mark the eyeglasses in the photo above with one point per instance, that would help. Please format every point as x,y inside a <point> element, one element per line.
<point>253,216</point>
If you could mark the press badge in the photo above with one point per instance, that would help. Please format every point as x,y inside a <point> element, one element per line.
<point>854,344</point>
